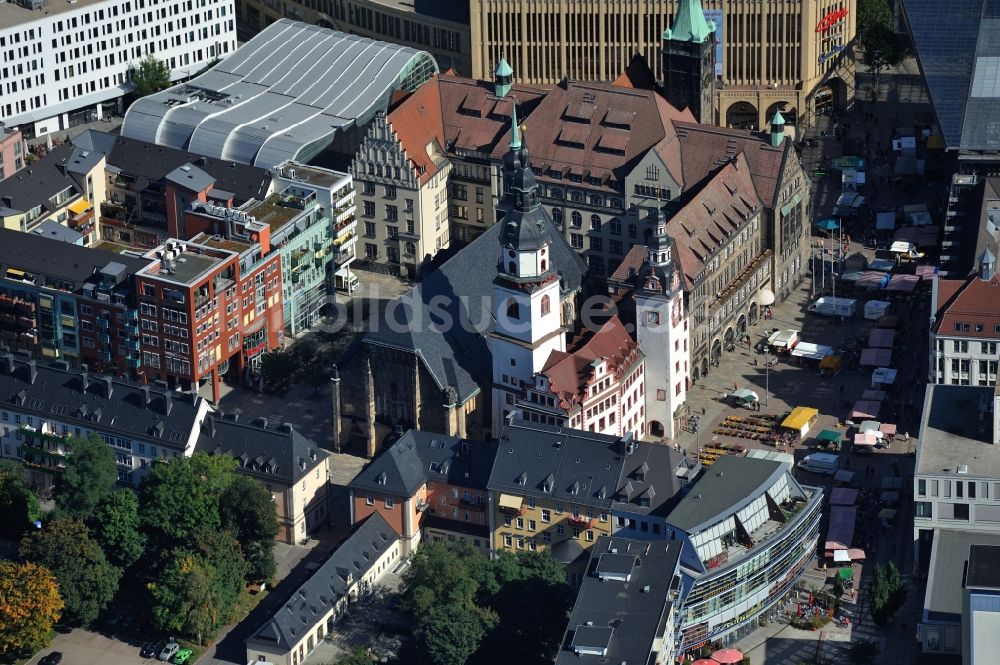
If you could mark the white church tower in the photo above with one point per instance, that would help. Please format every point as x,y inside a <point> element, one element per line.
<point>662,332</point>
<point>526,292</point>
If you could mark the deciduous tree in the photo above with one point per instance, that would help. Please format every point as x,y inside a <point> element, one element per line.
<point>90,475</point>
<point>151,76</point>
<point>247,509</point>
<point>882,45</point>
<point>87,582</point>
<point>18,504</point>
<point>115,525</point>
<point>887,593</point>
<point>29,604</point>
<point>183,494</point>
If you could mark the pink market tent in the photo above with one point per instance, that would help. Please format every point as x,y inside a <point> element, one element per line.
<point>843,496</point>
<point>876,357</point>
<point>926,272</point>
<point>877,395</point>
<point>881,338</point>
<point>888,429</point>
<point>841,528</point>
<point>866,409</point>
<point>865,439</point>
<point>905,283</point>
<point>870,279</point>
<point>856,554</point>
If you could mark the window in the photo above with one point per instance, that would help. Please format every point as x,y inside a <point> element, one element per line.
<point>923,509</point>
<point>595,222</point>
<point>513,311</point>
<point>546,515</point>
<point>577,220</point>
<point>507,540</point>
<point>532,526</point>
<point>370,500</point>
<point>369,209</point>
<point>546,305</point>
<point>922,487</point>
<point>389,502</point>
<point>520,522</point>
<point>961,511</point>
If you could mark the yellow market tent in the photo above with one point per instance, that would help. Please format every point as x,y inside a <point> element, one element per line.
<point>800,420</point>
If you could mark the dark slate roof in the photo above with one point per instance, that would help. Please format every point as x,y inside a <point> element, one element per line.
<point>727,486</point>
<point>456,353</point>
<point>419,457</point>
<point>984,567</point>
<point>39,181</point>
<point>311,601</point>
<point>57,392</point>
<point>56,259</point>
<point>152,163</point>
<point>649,473</point>
<point>576,466</point>
<point>55,231</point>
<point>625,617</point>
<point>279,453</point>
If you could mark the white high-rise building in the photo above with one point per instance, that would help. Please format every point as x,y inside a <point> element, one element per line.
<point>65,63</point>
<point>662,332</point>
<point>526,291</point>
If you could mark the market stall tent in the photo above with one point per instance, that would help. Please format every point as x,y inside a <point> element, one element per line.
<point>883,376</point>
<point>875,309</point>
<point>800,420</point>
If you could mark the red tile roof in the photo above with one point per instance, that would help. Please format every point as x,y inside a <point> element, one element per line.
<point>969,302</point>
<point>570,373</point>
<point>417,123</point>
<point>475,119</point>
<point>710,215</point>
<point>704,148</point>
<point>630,264</point>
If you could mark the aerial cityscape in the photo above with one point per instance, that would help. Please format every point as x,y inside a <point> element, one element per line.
<point>447,332</point>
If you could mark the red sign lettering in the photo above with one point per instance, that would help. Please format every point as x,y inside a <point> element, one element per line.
<point>831,20</point>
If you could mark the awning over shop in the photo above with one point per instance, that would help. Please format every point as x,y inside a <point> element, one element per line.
<point>799,418</point>
<point>765,297</point>
<point>876,357</point>
<point>843,496</point>
<point>785,209</point>
<point>881,338</point>
<point>80,206</point>
<point>510,502</point>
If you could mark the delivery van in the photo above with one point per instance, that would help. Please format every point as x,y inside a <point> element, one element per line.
<point>820,463</point>
<point>827,306</point>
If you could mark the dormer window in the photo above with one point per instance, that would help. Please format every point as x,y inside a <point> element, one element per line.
<point>522,479</point>
<point>575,487</point>
<point>382,478</point>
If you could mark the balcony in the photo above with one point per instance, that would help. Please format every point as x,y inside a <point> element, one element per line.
<point>104,337</point>
<point>131,329</point>
<point>132,314</point>
<point>342,256</point>
<point>133,362</point>
<point>581,521</point>
<point>132,344</point>
<point>103,324</point>
<point>105,356</point>
<point>38,450</point>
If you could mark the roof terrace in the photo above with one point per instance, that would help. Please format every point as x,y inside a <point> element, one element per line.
<point>184,263</point>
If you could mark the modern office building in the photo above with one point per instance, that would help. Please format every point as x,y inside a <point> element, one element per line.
<point>769,57</point>
<point>960,72</point>
<point>60,300</point>
<point>203,305</point>
<point>291,467</point>
<point>428,487</point>
<point>290,93</point>
<point>749,530</point>
<point>957,474</point>
<point>51,403</point>
<point>440,27</point>
<point>67,63</point>
<point>61,187</point>
<point>627,608</point>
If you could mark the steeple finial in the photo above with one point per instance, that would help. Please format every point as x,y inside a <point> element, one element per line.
<point>690,24</point>
<point>515,132</point>
<point>503,77</point>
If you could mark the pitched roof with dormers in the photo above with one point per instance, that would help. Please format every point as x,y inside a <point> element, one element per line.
<point>963,305</point>
<point>710,214</point>
<point>418,126</point>
<point>570,373</point>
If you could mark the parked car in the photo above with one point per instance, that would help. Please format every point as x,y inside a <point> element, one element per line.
<point>182,656</point>
<point>150,649</point>
<point>169,651</point>
<point>53,658</point>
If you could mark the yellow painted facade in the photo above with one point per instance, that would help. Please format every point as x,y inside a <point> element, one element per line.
<point>540,523</point>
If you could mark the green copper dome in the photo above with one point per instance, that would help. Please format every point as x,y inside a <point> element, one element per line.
<point>778,119</point>
<point>690,24</point>
<point>503,68</point>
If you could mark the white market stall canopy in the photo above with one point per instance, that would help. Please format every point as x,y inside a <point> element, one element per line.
<point>812,351</point>
<point>883,376</point>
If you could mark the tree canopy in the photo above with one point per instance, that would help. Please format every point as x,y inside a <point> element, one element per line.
<point>887,593</point>
<point>115,525</point>
<point>86,580</point>
<point>182,494</point>
<point>883,46</point>
<point>30,605</point>
<point>18,504</point>
<point>90,475</point>
<point>247,510</point>
<point>510,609</point>
<point>151,76</point>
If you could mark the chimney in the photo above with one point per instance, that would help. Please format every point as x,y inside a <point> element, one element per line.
<point>108,387</point>
<point>7,363</point>
<point>168,402</point>
<point>335,405</point>
<point>84,378</point>
<point>145,396</point>
<point>32,371</point>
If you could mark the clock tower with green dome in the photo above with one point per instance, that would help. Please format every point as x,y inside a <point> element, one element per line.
<point>689,62</point>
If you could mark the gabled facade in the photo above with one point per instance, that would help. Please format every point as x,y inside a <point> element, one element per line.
<point>965,327</point>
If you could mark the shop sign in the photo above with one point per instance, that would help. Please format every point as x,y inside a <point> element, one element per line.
<point>831,19</point>
<point>735,621</point>
<point>829,54</point>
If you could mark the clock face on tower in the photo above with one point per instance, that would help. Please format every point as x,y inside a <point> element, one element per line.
<point>653,318</point>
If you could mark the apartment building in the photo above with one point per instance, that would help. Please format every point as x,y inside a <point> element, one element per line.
<point>291,467</point>
<point>428,486</point>
<point>204,305</point>
<point>556,488</point>
<point>965,328</point>
<point>769,57</point>
<point>59,300</point>
<point>62,187</point>
<point>957,476</point>
<point>441,28</point>
<point>68,63</point>
<point>51,403</point>
<point>13,149</point>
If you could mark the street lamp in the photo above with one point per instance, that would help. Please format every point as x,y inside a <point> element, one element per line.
<point>767,372</point>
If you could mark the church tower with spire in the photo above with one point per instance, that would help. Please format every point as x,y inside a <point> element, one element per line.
<point>661,330</point>
<point>689,62</point>
<point>526,291</point>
